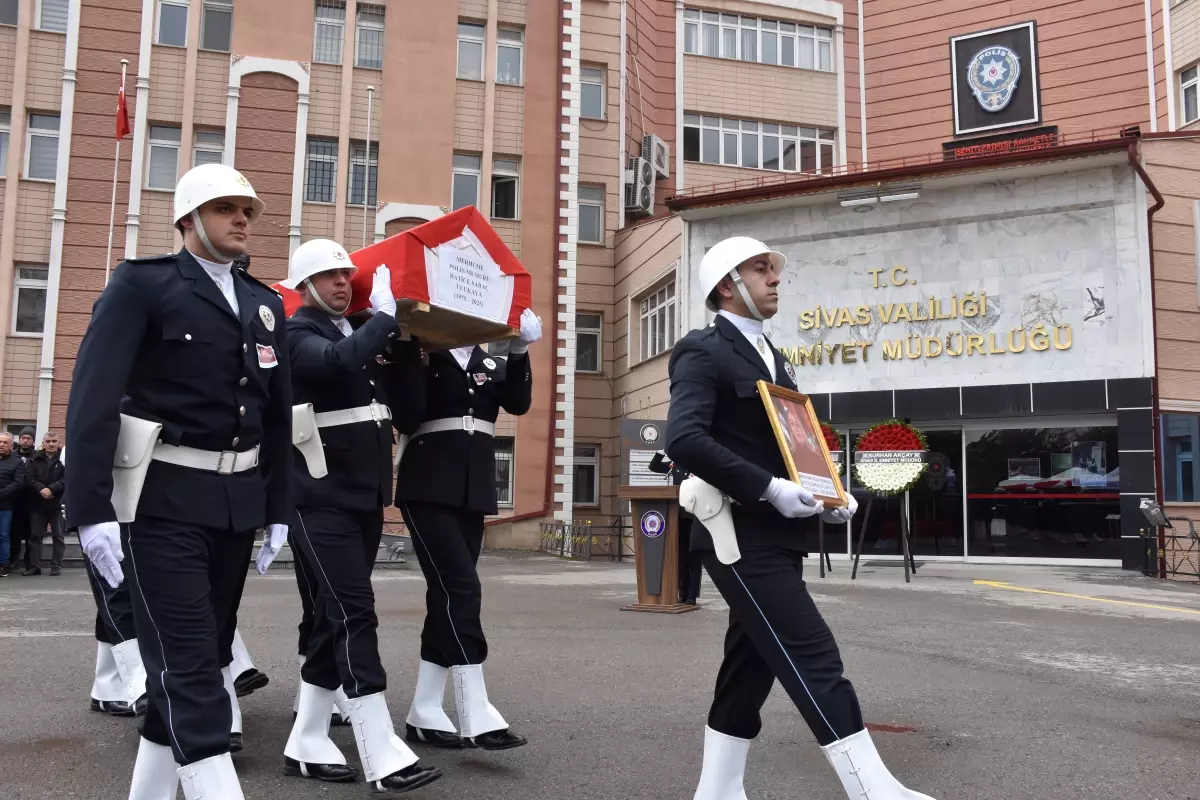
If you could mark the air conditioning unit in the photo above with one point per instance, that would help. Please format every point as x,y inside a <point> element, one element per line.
<point>639,187</point>
<point>655,151</point>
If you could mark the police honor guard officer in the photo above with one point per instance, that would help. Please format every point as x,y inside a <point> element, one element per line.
<point>446,484</point>
<point>750,527</point>
<point>343,475</point>
<point>181,397</point>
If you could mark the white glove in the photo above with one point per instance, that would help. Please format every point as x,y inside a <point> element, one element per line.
<point>531,331</point>
<point>791,499</point>
<point>382,299</point>
<point>273,541</point>
<point>102,545</point>
<point>838,516</point>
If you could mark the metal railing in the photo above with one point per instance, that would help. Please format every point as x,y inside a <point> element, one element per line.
<point>585,541</point>
<point>1168,553</point>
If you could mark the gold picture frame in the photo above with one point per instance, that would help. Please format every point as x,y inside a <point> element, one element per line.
<point>801,443</point>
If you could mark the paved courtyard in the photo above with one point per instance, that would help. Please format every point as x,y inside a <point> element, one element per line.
<point>1034,684</point>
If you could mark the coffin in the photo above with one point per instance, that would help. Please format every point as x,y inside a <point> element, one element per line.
<point>458,280</point>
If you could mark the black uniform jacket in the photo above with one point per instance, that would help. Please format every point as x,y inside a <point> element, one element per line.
<point>164,344</point>
<point>718,429</point>
<point>334,371</point>
<point>456,468</point>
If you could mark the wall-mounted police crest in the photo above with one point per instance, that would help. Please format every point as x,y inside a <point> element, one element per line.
<point>649,434</point>
<point>993,75</point>
<point>653,524</point>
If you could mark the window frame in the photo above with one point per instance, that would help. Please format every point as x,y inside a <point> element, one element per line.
<point>359,25</point>
<point>739,132</point>
<point>591,203</point>
<point>602,83</point>
<point>42,133</point>
<point>161,144</point>
<point>598,333</point>
<point>506,174</point>
<point>5,137</point>
<point>748,30</point>
<point>594,461</point>
<point>519,46</point>
<point>40,17</point>
<point>476,173</point>
<point>207,147</point>
<point>470,38</point>
<point>667,305</point>
<point>1192,83</point>
<point>359,155</point>
<point>16,8</point>
<point>1174,457</point>
<point>318,21</point>
<point>158,16</point>
<point>506,450</point>
<point>20,283</point>
<point>309,157</point>
<point>218,7</point>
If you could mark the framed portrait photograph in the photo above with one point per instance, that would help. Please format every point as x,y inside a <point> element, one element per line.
<point>802,443</point>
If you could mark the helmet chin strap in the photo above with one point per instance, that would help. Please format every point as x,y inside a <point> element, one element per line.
<point>745,293</point>
<point>204,239</point>
<point>321,302</point>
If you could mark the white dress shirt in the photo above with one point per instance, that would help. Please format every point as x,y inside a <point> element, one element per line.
<point>222,276</point>
<point>343,325</point>
<point>463,355</point>
<point>752,329</point>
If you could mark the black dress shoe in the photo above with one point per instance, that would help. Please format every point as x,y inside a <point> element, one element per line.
<point>499,740</point>
<point>249,681</point>
<point>32,571</point>
<point>235,742</point>
<point>330,773</point>
<point>114,707</point>
<point>139,706</point>
<point>409,778</point>
<point>449,741</point>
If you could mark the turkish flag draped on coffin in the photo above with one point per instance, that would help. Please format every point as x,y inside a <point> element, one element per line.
<point>462,282</point>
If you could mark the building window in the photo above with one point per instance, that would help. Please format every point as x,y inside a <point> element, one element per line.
<point>764,41</point>
<point>321,180</point>
<point>658,321</point>
<point>163,165</point>
<point>1188,87</point>
<point>368,37</point>
<point>16,427</point>
<point>470,51</point>
<point>587,475</point>
<point>1180,433</point>
<point>216,28</point>
<point>504,471</point>
<point>506,188</point>
<point>358,168</point>
<point>8,12</point>
<point>591,214</point>
<point>464,189</point>
<point>172,23</point>
<point>208,147</point>
<point>29,300</point>
<point>41,147</point>
<point>755,145</point>
<point>592,94</point>
<point>589,332</point>
<point>5,129</point>
<point>510,52</point>
<point>52,15</point>
<point>329,29</point>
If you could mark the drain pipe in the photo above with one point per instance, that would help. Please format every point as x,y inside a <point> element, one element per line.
<point>1135,161</point>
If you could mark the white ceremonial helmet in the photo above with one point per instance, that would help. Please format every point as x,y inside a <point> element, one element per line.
<point>207,182</point>
<point>313,257</point>
<point>724,257</point>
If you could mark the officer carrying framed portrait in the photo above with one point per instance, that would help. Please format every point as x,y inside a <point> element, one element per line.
<point>809,463</point>
<point>994,74</point>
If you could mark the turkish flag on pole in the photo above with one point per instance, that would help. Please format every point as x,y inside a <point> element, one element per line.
<point>122,114</point>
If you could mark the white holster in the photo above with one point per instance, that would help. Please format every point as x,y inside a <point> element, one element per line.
<point>712,510</point>
<point>131,460</point>
<point>306,437</point>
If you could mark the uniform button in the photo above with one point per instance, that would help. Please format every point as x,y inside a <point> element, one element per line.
<point>242,411</point>
<point>470,391</point>
<point>187,336</point>
<point>245,347</point>
<point>236,439</point>
<point>470,411</point>
<point>371,382</point>
<point>243,381</point>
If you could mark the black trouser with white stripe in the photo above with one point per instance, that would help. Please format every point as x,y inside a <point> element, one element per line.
<point>339,548</point>
<point>114,608</point>
<point>186,582</point>
<point>776,631</point>
<point>447,542</point>
<point>307,586</point>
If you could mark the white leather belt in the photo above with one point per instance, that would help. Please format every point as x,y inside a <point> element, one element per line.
<point>222,462</point>
<point>468,424</point>
<point>375,412</point>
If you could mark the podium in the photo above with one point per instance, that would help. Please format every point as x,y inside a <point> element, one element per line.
<point>656,548</point>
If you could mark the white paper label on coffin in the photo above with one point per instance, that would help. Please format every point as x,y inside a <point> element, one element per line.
<point>463,278</point>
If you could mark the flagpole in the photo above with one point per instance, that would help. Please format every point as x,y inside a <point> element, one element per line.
<point>367,166</point>
<point>112,209</point>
